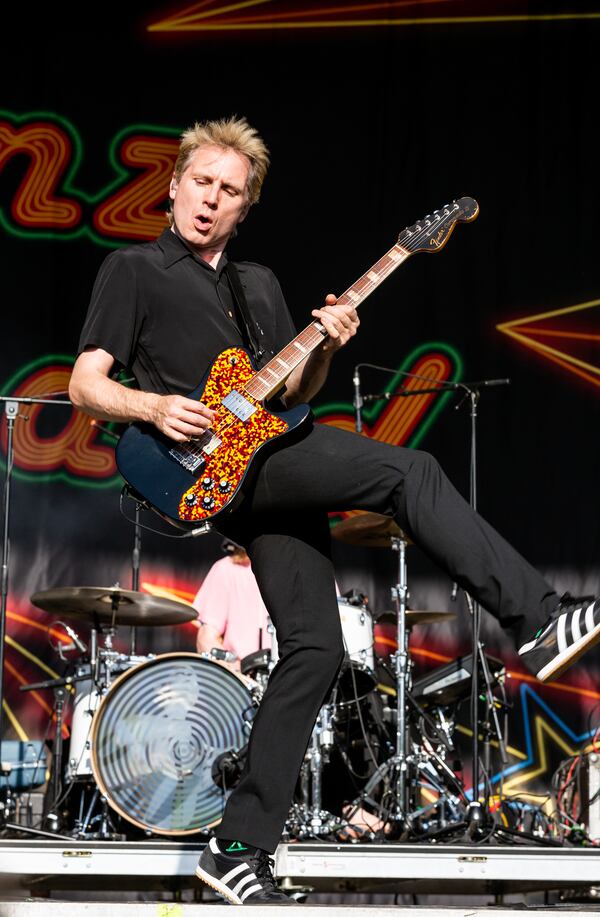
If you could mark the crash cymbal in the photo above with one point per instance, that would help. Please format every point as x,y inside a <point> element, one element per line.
<point>111,605</point>
<point>370,530</point>
<point>415,616</point>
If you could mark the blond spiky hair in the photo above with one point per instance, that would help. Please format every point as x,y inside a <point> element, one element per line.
<point>229,133</point>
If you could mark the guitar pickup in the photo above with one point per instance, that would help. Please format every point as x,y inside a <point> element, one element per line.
<point>238,405</point>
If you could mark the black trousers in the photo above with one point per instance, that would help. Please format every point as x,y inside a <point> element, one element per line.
<point>283,524</point>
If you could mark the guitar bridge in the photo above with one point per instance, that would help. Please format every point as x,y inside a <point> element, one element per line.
<point>191,457</point>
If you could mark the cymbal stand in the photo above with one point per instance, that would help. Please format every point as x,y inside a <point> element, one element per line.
<point>136,552</point>
<point>399,762</point>
<point>394,772</point>
<point>310,818</point>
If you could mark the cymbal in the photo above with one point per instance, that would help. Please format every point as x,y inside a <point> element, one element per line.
<point>112,605</point>
<point>371,530</point>
<point>415,616</point>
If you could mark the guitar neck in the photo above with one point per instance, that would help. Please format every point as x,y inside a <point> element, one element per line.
<point>271,377</point>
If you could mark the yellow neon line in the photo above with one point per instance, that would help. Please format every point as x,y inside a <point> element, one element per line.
<point>540,727</point>
<point>510,749</point>
<point>210,13</point>
<point>15,723</point>
<point>31,623</point>
<point>542,315</point>
<point>370,23</point>
<point>35,659</point>
<point>327,10</point>
<point>166,593</point>
<point>571,335</point>
<point>546,349</point>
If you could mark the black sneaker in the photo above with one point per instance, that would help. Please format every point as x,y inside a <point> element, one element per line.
<point>569,632</point>
<point>240,879</point>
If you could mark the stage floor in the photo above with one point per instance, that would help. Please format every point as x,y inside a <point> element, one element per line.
<point>46,865</point>
<point>137,909</point>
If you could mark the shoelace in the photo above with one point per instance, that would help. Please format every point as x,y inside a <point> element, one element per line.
<point>570,602</point>
<point>264,870</point>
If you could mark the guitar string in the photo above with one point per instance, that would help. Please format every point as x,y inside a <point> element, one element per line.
<point>221,430</point>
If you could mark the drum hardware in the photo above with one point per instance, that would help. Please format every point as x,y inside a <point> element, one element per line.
<point>61,687</point>
<point>398,775</point>
<point>111,606</point>
<point>307,818</point>
<point>376,530</point>
<point>102,822</point>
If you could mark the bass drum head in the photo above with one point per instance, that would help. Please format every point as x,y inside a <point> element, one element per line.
<point>156,735</point>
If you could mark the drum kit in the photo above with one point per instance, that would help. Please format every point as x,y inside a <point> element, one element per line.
<point>158,742</point>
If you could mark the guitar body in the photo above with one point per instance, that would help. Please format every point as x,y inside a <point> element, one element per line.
<point>188,484</point>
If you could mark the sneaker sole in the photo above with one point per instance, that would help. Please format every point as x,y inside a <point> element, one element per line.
<point>562,662</point>
<point>216,886</point>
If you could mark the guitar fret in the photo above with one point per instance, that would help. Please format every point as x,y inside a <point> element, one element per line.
<point>268,379</point>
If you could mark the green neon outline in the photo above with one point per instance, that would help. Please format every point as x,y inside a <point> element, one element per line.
<point>66,477</point>
<point>67,186</point>
<point>371,414</point>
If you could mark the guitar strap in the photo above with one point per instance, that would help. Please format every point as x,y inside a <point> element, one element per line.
<point>248,324</point>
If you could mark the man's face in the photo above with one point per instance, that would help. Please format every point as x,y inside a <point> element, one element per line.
<point>210,198</point>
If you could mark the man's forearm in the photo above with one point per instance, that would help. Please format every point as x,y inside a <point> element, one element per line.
<point>105,399</point>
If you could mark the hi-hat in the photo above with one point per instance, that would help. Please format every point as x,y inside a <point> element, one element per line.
<point>414,616</point>
<point>111,605</point>
<point>370,530</point>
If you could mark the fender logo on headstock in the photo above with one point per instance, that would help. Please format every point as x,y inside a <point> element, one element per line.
<point>436,240</point>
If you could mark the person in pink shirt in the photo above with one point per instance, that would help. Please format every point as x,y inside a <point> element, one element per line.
<point>231,613</point>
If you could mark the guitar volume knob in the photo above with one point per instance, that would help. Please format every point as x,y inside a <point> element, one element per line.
<point>224,486</point>
<point>208,483</point>
<point>207,502</point>
<point>191,499</point>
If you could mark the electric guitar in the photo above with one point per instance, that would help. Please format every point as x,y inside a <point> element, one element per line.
<point>191,484</point>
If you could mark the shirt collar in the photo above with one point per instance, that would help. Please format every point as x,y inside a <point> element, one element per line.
<point>174,250</point>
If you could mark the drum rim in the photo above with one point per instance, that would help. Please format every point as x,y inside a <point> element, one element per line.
<point>96,719</point>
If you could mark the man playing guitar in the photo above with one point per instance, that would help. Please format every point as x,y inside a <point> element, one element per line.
<point>165,310</point>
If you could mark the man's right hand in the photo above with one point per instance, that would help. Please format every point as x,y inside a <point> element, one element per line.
<point>91,390</point>
<point>181,418</point>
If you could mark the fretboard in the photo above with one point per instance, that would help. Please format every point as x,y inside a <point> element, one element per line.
<point>271,377</point>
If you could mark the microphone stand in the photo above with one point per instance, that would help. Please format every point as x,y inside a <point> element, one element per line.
<point>137,543</point>
<point>11,412</point>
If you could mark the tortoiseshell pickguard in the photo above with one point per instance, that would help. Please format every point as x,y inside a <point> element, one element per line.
<point>239,439</point>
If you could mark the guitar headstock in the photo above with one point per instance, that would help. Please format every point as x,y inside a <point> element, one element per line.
<point>433,231</point>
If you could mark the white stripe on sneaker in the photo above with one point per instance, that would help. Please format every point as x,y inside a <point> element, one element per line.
<point>212,844</point>
<point>234,872</point>
<point>561,637</point>
<point>213,882</point>
<point>589,617</point>
<point>250,891</point>
<point>249,878</point>
<point>575,628</point>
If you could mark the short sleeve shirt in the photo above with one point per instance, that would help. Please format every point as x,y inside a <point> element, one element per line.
<point>229,600</point>
<point>165,314</point>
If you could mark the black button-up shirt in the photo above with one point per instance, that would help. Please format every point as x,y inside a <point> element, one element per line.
<point>165,314</point>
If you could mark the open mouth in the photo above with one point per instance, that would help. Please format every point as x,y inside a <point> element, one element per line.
<point>203,222</point>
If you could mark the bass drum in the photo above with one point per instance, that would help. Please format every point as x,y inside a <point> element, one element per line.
<point>156,735</point>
